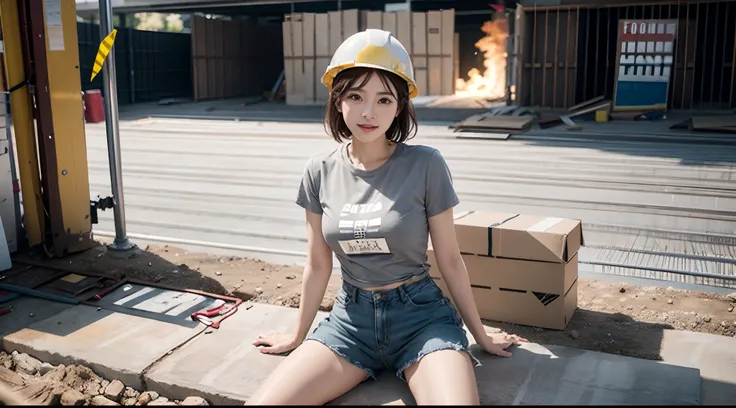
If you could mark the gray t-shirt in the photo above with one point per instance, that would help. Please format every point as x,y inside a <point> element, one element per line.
<point>376,221</point>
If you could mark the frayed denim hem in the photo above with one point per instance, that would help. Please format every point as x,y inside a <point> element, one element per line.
<point>370,372</point>
<point>448,346</point>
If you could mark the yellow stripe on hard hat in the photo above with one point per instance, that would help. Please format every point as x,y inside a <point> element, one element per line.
<point>102,52</point>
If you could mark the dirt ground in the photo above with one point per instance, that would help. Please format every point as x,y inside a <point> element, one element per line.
<point>611,317</point>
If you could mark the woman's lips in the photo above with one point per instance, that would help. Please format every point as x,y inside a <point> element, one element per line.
<point>368,128</point>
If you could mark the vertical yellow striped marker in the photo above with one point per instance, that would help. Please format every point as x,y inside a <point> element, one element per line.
<point>105,47</point>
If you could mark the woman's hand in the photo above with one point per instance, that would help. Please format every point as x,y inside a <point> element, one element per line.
<point>276,343</point>
<point>496,343</point>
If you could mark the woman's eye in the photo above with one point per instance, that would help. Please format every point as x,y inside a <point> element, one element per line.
<point>385,100</point>
<point>354,97</point>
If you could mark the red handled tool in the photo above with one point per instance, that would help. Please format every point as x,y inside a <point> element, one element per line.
<point>225,310</point>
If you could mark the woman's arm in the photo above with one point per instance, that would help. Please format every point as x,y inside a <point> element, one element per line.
<point>316,276</point>
<point>453,271</point>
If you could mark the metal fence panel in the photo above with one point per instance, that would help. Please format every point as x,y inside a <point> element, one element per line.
<point>150,65</point>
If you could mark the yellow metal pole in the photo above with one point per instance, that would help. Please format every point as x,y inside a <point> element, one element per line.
<point>22,111</point>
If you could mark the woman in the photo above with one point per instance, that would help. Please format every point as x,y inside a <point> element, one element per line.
<point>374,201</point>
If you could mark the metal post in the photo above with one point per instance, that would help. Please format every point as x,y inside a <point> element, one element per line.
<point>511,57</point>
<point>121,241</point>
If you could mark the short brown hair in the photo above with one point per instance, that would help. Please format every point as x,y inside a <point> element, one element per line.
<point>404,126</point>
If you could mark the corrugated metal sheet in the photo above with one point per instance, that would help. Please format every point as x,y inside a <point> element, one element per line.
<point>568,54</point>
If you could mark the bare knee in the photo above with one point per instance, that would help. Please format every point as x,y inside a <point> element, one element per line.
<point>444,377</point>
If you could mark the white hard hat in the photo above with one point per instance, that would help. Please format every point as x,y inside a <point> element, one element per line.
<point>372,48</point>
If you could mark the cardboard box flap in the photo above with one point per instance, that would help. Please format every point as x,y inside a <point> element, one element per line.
<point>549,239</point>
<point>474,230</point>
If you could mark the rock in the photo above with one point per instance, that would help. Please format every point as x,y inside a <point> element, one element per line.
<point>114,390</point>
<point>259,290</point>
<point>194,401</point>
<point>131,393</point>
<point>731,297</point>
<point>73,397</point>
<point>278,286</point>
<point>730,309</point>
<point>706,319</point>
<point>92,388</point>
<point>6,360</point>
<point>161,401</point>
<point>291,276</point>
<point>574,334</point>
<point>670,301</point>
<point>101,401</point>
<point>218,273</point>
<point>41,392</point>
<point>147,397</point>
<point>57,374</point>
<point>103,385</point>
<point>622,290</point>
<point>11,378</point>
<point>27,364</point>
<point>129,401</point>
<point>45,368</point>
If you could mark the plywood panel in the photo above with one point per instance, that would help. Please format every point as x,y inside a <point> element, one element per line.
<point>389,23</point>
<point>448,53</point>
<point>335,30</point>
<point>434,33</point>
<point>308,34</point>
<point>404,29</point>
<point>322,36</point>
<point>419,50</point>
<point>434,76</point>
<point>349,23</point>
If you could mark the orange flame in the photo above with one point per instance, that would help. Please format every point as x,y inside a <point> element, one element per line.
<point>492,83</point>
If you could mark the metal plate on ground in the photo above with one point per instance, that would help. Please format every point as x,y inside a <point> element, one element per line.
<point>171,306</point>
<point>482,135</point>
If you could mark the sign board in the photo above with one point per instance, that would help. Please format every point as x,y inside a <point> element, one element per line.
<point>645,60</point>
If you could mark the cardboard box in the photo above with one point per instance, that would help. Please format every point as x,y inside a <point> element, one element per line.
<point>531,293</point>
<point>519,236</point>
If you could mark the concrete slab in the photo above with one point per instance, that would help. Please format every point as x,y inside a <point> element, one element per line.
<point>27,311</point>
<point>556,375</point>
<point>224,368</point>
<point>713,355</point>
<point>114,345</point>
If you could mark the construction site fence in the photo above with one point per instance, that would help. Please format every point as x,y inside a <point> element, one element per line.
<point>150,65</point>
<point>567,55</point>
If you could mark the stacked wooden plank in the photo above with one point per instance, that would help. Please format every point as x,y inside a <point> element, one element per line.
<point>310,40</point>
<point>719,123</point>
<point>500,121</point>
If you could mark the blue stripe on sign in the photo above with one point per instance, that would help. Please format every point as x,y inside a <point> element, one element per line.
<point>641,93</point>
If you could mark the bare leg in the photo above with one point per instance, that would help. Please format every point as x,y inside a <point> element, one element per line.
<point>444,377</point>
<point>322,377</point>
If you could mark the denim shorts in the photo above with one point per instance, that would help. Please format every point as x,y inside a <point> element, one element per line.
<point>391,329</point>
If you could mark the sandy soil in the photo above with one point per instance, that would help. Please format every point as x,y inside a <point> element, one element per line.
<point>611,317</point>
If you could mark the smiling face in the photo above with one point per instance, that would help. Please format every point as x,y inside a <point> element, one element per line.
<point>370,108</point>
<point>368,105</point>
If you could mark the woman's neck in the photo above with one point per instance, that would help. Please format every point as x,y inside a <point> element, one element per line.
<point>368,156</point>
